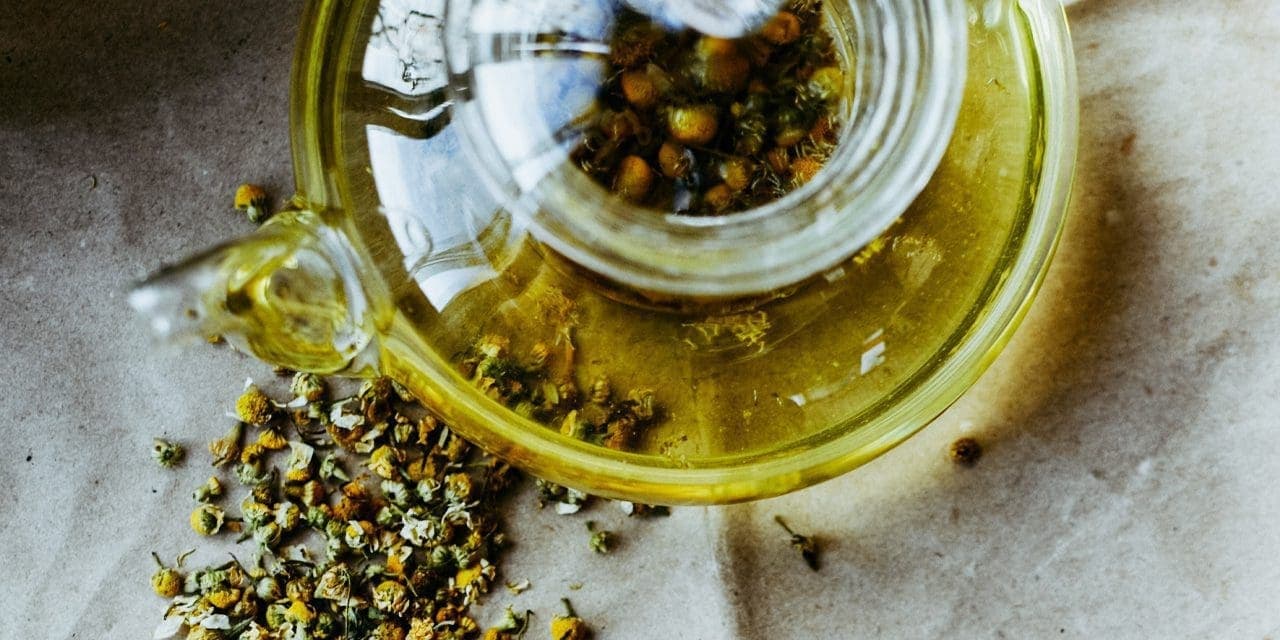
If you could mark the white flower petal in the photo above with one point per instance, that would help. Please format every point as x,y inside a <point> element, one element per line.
<point>300,454</point>
<point>184,602</point>
<point>216,621</point>
<point>346,423</point>
<point>168,628</point>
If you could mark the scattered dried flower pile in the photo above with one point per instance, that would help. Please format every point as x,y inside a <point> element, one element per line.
<point>399,550</point>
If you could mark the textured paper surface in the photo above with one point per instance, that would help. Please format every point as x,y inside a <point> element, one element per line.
<point>1127,490</point>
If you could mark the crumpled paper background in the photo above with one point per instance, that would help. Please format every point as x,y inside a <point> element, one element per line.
<point>1128,485</point>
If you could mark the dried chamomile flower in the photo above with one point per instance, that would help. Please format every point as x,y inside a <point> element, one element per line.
<point>268,534</point>
<point>640,88</point>
<point>253,454</point>
<point>467,627</point>
<point>247,606</point>
<point>383,462</point>
<point>634,178</point>
<point>346,423</point>
<point>224,598</point>
<point>288,516</point>
<point>387,631</point>
<point>568,626</point>
<point>783,28</point>
<point>693,125</point>
<point>397,493</point>
<point>476,577</point>
<point>256,631</point>
<point>166,581</point>
<point>207,579</point>
<point>512,626</point>
<point>299,589</point>
<point>422,629</point>
<point>252,199</point>
<point>298,467</point>
<point>308,386</point>
<point>168,454</point>
<point>207,519</point>
<point>271,440</point>
<point>458,488</point>
<point>404,432</point>
<point>806,545</point>
<point>252,474</point>
<point>209,491</point>
<point>255,407</point>
<point>334,584</point>
<point>277,615</point>
<point>205,633</point>
<point>254,513</point>
<point>718,65</point>
<point>803,169</point>
<point>826,84</point>
<point>965,452</point>
<point>391,597</point>
<point>358,533</point>
<point>226,449</point>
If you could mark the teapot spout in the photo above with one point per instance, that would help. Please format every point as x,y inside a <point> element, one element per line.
<point>291,294</point>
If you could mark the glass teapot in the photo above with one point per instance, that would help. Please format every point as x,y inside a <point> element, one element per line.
<point>442,237</point>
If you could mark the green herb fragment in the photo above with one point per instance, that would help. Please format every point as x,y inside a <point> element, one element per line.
<point>806,545</point>
<point>512,626</point>
<point>167,454</point>
<point>601,540</point>
<point>331,469</point>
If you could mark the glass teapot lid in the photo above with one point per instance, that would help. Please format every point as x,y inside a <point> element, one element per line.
<point>524,83</point>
